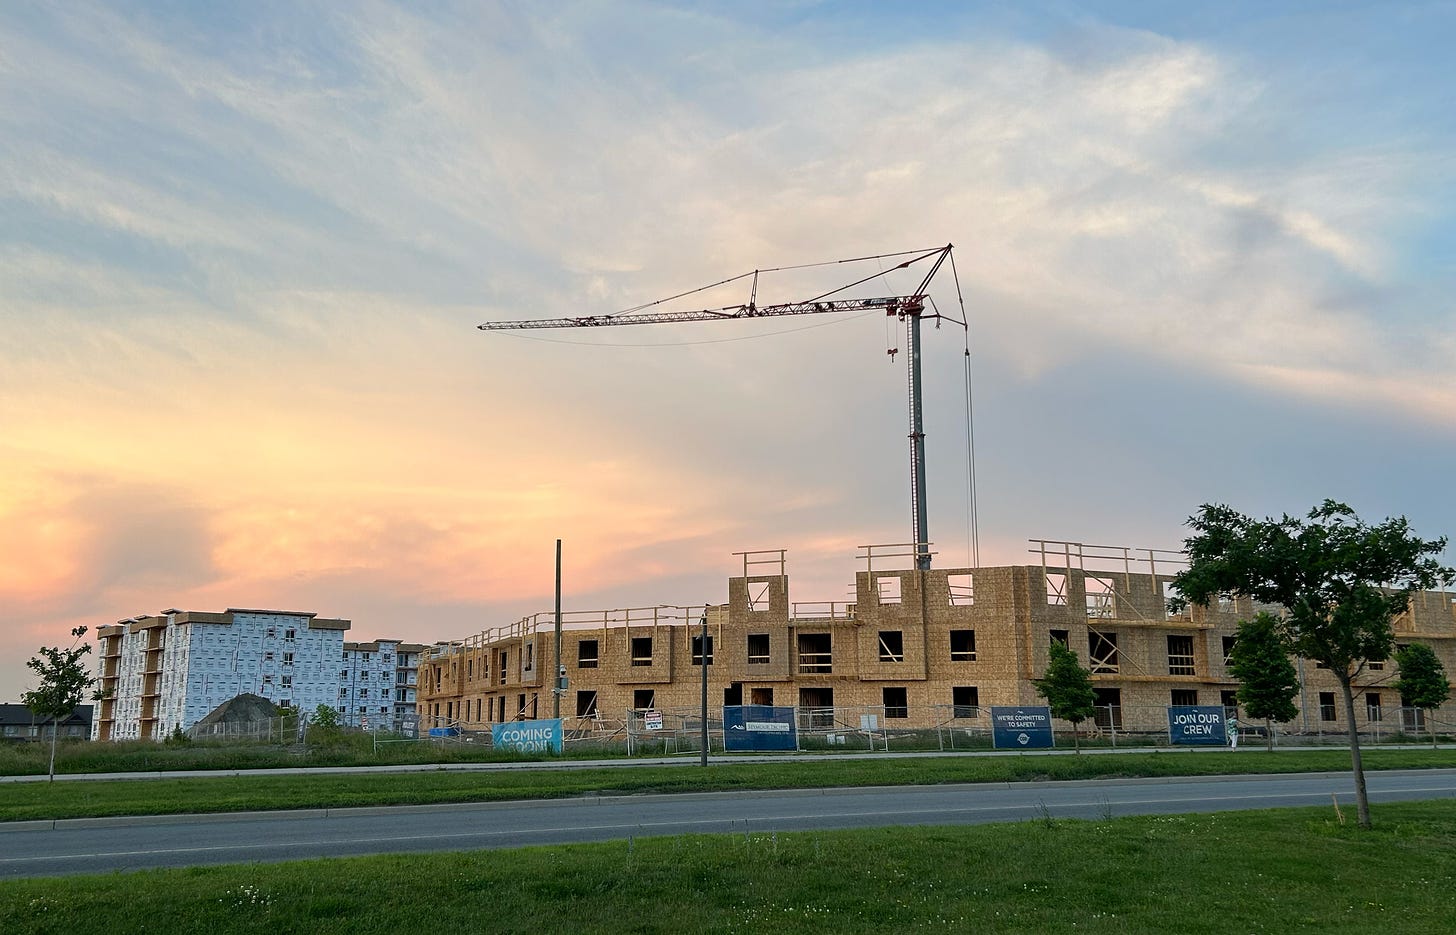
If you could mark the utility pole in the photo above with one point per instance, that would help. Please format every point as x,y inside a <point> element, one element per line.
<point>703,650</point>
<point>559,669</point>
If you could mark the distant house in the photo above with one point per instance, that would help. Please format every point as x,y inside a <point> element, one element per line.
<point>17,723</point>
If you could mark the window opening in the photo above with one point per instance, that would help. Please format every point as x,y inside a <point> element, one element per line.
<point>1107,710</point>
<point>698,650</point>
<point>965,701</point>
<point>1228,649</point>
<point>962,645</point>
<point>1102,650</point>
<point>586,704</point>
<point>758,648</point>
<point>758,596</point>
<point>1373,711</point>
<point>887,587</point>
<point>586,654</point>
<point>962,590</point>
<point>1061,636</point>
<point>1056,589</point>
<point>815,656</point>
<point>1171,591</point>
<point>1327,706</point>
<point>643,698</point>
<point>641,650</point>
<point>1180,655</point>
<point>892,646</point>
<point>896,702</point>
<point>1184,697</point>
<point>1101,600</point>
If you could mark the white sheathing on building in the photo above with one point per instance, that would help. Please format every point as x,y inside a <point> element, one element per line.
<point>376,681</point>
<point>206,659</point>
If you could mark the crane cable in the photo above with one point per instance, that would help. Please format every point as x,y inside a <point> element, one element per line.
<point>972,519</point>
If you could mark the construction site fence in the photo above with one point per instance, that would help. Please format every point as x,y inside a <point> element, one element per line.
<point>968,727</point>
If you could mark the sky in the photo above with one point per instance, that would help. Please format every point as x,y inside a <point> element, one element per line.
<point>1206,253</point>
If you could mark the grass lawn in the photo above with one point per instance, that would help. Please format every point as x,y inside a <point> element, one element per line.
<point>264,791</point>
<point>1276,871</point>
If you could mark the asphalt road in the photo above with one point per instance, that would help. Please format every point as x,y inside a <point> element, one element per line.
<point>94,845</point>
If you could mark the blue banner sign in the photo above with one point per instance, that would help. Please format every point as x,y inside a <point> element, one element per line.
<point>1197,724</point>
<point>527,736</point>
<point>1021,728</point>
<point>759,727</point>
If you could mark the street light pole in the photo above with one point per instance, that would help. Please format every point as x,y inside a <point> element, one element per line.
<point>703,655</point>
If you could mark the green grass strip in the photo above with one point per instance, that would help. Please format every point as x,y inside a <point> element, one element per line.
<point>19,801</point>
<point>1287,870</point>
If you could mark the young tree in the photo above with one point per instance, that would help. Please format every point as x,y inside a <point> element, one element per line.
<point>63,683</point>
<point>1339,580</point>
<point>1422,683</point>
<point>1267,680</point>
<point>1067,687</point>
<point>325,718</point>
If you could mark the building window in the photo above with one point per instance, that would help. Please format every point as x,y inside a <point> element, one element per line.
<point>1182,697</point>
<point>343,693</point>
<point>367,656</point>
<point>470,670</point>
<point>962,590</point>
<point>271,633</point>
<point>1107,710</point>
<point>887,588</point>
<point>1180,655</point>
<point>267,680</point>
<point>1060,636</point>
<point>758,649</point>
<point>965,701</point>
<point>504,664</point>
<point>1056,589</point>
<point>530,662</point>
<point>1373,710</point>
<point>642,699</point>
<point>892,646</point>
<point>1376,665</point>
<point>586,704</point>
<point>1327,706</point>
<point>363,693</point>
<point>698,650</point>
<point>287,681</point>
<point>344,674</point>
<point>1229,699</point>
<point>267,657</point>
<point>641,650</point>
<point>1228,649</point>
<point>1100,597</point>
<point>815,657</point>
<point>1102,650</point>
<point>962,645</point>
<point>290,634</point>
<point>288,659</point>
<point>586,654</point>
<point>896,705</point>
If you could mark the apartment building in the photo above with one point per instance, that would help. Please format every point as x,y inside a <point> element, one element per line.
<point>918,648</point>
<point>377,683</point>
<point>164,671</point>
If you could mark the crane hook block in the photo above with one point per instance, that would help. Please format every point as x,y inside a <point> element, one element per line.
<point>892,352</point>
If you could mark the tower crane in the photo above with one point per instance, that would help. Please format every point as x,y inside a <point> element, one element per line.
<point>910,308</point>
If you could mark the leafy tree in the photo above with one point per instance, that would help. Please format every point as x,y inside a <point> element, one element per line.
<point>1422,683</point>
<point>1339,579</point>
<point>325,718</point>
<point>63,683</point>
<point>1267,680</point>
<point>1067,687</point>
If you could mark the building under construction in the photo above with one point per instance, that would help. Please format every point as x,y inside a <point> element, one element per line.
<point>917,649</point>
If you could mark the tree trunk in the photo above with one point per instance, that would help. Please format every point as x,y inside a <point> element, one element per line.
<point>55,732</point>
<point>1269,732</point>
<point>1357,766</point>
<point>1076,739</point>
<point>1431,720</point>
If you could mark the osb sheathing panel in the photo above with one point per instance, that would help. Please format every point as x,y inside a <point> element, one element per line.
<point>1011,617</point>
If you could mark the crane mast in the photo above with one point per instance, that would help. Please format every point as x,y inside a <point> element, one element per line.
<point>909,308</point>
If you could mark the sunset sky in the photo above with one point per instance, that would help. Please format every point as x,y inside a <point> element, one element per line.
<point>1207,251</point>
